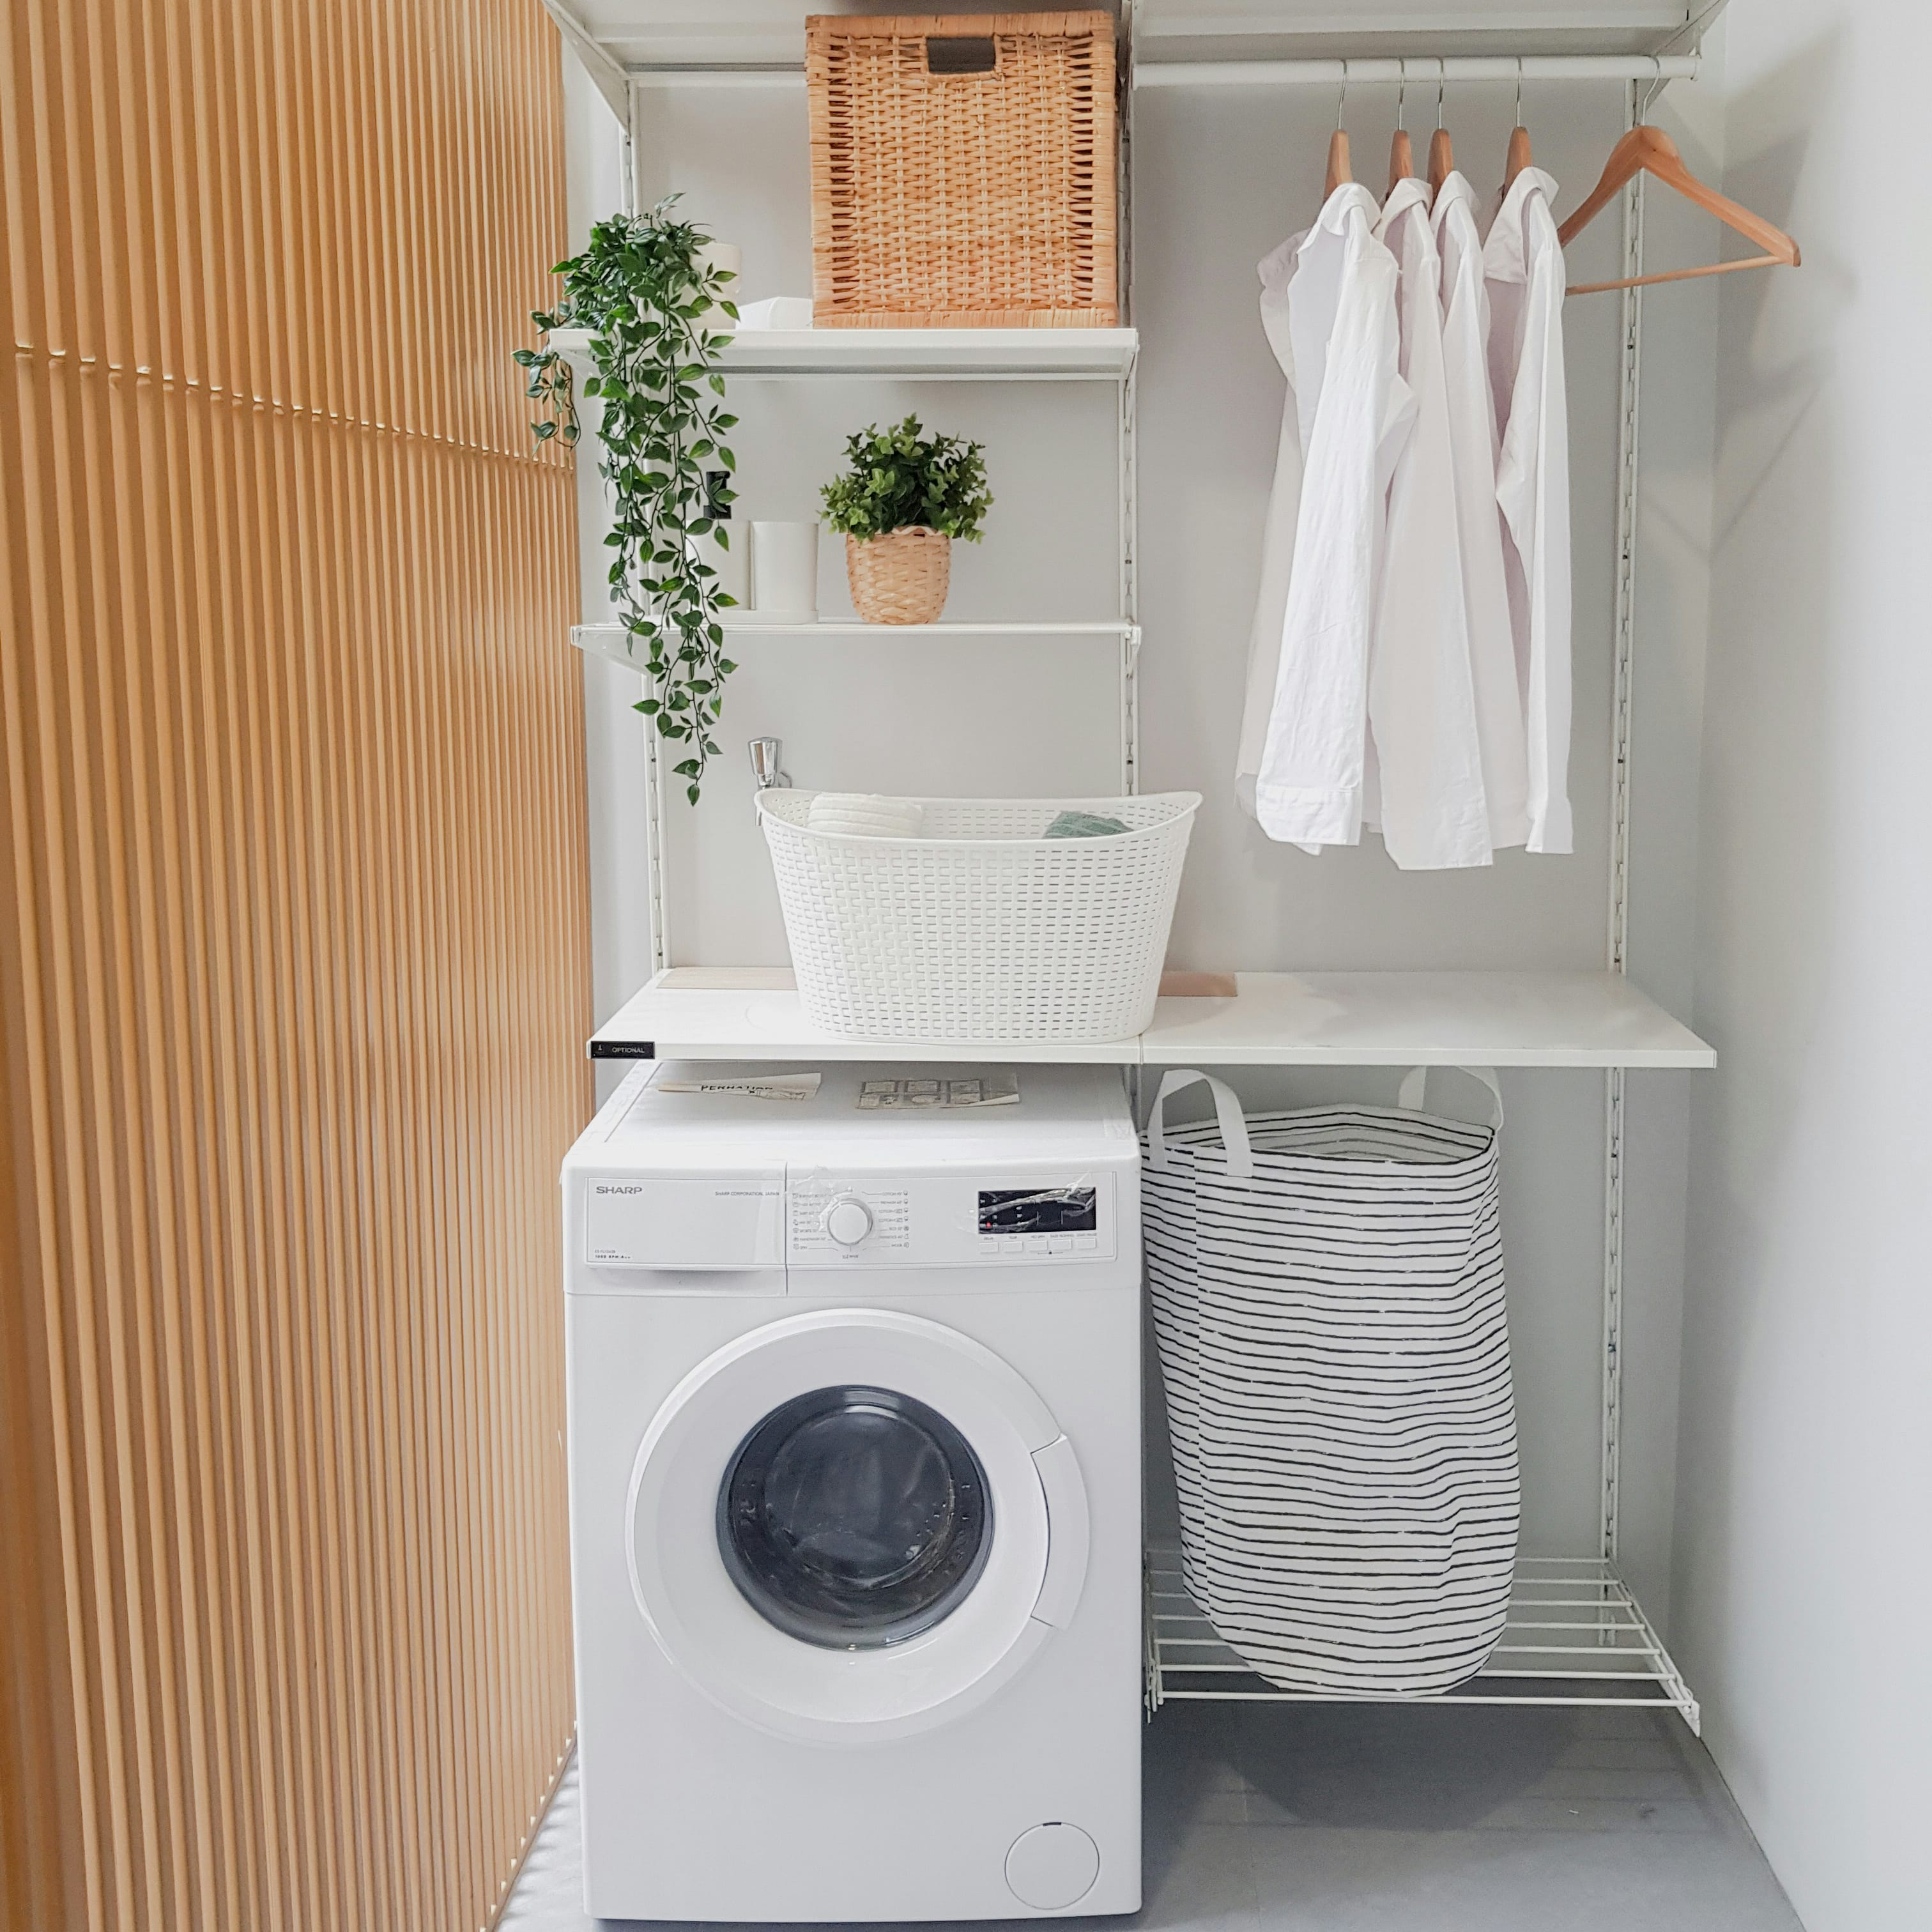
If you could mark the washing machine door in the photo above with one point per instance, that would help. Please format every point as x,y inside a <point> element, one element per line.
<point>852,1525</point>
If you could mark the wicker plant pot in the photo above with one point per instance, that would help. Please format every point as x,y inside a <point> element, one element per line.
<point>900,577</point>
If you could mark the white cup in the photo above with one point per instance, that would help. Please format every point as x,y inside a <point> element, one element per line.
<point>784,573</point>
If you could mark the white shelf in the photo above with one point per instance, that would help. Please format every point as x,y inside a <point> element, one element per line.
<point>610,641</point>
<point>1412,1019</point>
<point>712,43</point>
<point>1278,1019</point>
<point>1575,1635</point>
<point>1104,355</point>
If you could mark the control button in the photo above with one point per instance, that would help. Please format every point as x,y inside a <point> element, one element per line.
<point>847,1220</point>
<point>1086,1244</point>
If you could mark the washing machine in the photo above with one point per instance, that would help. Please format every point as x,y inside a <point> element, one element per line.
<point>855,1493</point>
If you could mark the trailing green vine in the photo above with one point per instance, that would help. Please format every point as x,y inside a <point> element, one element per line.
<point>654,308</point>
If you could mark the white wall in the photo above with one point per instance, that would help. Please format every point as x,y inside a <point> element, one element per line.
<point>1805,1531</point>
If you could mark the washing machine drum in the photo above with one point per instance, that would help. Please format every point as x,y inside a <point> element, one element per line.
<point>853,1525</point>
<point>854,1517</point>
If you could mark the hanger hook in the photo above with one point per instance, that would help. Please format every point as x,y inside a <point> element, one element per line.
<point>1401,91</point>
<point>1442,77</point>
<point>1656,87</point>
<point>1519,90</point>
<point>1341,99</point>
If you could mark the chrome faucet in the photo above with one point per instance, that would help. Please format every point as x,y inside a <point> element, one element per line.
<point>765,753</point>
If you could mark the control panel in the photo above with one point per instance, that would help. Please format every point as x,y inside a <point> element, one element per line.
<point>834,1220</point>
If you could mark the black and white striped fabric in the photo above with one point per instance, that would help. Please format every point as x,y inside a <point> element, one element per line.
<point>1327,1292</point>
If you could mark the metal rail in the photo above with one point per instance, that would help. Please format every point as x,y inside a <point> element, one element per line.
<point>1452,69</point>
<point>1613,1655</point>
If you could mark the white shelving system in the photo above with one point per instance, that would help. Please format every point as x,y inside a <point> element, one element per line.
<point>921,355</point>
<point>1576,1633</point>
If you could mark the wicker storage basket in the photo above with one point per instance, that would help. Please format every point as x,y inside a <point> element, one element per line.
<point>943,196</point>
<point>900,577</point>
<point>982,931</point>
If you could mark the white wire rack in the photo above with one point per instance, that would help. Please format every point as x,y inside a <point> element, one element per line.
<point>1575,1635</point>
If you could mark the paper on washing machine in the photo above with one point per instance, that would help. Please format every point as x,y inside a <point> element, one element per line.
<point>759,1086</point>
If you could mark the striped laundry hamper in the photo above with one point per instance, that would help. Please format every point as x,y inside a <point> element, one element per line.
<point>1327,1292</point>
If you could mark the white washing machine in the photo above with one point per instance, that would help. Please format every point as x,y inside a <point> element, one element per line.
<point>855,1493</point>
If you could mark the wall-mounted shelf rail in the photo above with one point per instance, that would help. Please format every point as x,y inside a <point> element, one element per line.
<point>1575,1635</point>
<point>611,641</point>
<point>1275,1019</point>
<point>926,355</point>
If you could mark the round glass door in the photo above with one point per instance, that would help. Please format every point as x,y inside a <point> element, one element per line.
<point>853,1524</point>
<point>854,1517</point>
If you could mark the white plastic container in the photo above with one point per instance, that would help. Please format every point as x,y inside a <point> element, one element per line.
<point>983,931</point>
<point>784,574</point>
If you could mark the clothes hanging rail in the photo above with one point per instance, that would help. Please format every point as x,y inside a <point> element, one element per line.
<point>1453,69</point>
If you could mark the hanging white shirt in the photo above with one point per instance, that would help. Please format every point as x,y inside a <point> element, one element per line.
<point>1473,443</point>
<point>1427,760</point>
<point>1523,267</point>
<point>1328,309</point>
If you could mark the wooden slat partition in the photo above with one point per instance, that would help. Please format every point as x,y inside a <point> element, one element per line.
<point>294,963</point>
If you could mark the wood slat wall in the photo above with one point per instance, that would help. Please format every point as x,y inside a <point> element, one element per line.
<point>294,963</point>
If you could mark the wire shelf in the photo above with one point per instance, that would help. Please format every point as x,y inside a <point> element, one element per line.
<point>1575,1635</point>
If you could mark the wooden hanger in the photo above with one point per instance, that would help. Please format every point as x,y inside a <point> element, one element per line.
<point>1518,156</point>
<point>1402,160</point>
<point>1338,144</point>
<point>1441,156</point>
<point>1650,151</point>
<point>1401,156</point>
<point>1338,164</point>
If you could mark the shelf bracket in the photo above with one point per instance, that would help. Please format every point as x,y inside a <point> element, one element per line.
<point>602,66</point>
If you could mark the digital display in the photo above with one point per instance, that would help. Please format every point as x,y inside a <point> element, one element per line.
<point>1037,1211</point>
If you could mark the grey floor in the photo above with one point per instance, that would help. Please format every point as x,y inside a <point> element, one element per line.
<point>1380,1819</point>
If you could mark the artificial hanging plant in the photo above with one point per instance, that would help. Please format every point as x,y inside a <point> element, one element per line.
<point>655,308</point>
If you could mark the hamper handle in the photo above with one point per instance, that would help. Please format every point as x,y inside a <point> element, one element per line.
<point>1417,1078</point>
<point>1227,1111</point>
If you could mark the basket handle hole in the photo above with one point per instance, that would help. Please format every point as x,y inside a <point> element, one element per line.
<point>959,53</point>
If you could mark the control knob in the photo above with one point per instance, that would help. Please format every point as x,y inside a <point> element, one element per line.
<point>847,1220</point>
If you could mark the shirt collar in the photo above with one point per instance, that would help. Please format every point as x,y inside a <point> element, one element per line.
<point>1349,198</point>
<point>1455,192</point>
<point>1505,256</point>
<point>1411,191</point>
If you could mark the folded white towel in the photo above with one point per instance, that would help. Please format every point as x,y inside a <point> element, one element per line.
<point>865,815</point>
<point>776,312</point>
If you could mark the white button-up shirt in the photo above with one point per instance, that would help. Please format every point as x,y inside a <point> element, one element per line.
<point>1473,443</point>
<point>1328,306</point>
<point>1422,707</point>
<point>1522,267</point>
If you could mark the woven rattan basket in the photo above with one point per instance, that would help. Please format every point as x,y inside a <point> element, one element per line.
<point>900,577</point>
<point>962,171</point>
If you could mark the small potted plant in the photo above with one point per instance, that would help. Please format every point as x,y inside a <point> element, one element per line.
<point>902,498</point>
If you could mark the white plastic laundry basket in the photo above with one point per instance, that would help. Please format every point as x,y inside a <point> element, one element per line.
<point>983,930</point>
<point>1328,1303</point>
